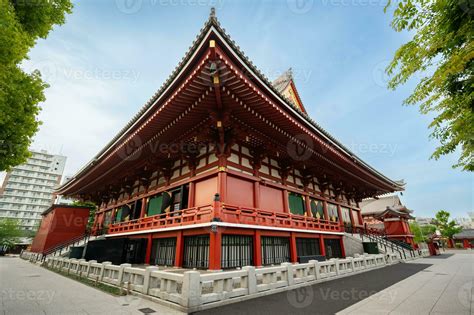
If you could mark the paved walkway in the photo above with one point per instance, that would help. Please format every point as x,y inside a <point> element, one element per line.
<point>26,289</point>
<point>435,285</point>
<point>326,297</point>
<point>446,287</point>
<point>438,285</point>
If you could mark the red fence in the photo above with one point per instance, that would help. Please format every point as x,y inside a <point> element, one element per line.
<point>229,213</point>
<point>246,215</point>
<point>176,218</point>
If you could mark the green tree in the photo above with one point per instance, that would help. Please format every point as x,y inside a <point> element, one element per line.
<point>441,52</point>
<point>422,232</point>
<point>10,231</point>
<point>447,228</point>
<point>22,23</point>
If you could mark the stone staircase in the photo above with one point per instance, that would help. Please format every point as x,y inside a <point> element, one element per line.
<point>402,250</point>
<point>60,250</point>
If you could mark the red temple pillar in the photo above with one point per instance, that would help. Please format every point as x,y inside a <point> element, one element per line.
<point>322,247</point>
<point>256,194</point>
<point>293,250</point>
<point>178,258</point>
<point>308,206</point>
<point>325,210</point>
<point>257,249</point>
<point>339,214</point>
<point>286,206</point>
<point>148,249</point>
<point>343,251</point>
<point>112,217</point>
<point>192,193</point>
<point>465,243</point>
<point>351,213</point>
<point>361,220</point>
<point>143,209</point>
<point>215,240</point>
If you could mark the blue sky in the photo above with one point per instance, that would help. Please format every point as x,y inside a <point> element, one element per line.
<point>111,56</point>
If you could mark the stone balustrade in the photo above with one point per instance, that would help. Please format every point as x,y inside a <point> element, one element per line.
<point>193,291</point>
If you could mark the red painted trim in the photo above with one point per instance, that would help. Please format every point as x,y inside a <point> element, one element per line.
<point>148,249</point>
<point>178,260</point>
<point>343,251</point>
<point>215,243</point>
<point>293,251</point>
<point>257,249</point>
<point>322,246</point>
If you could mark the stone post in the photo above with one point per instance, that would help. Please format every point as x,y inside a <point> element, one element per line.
<point>102,269</point>
<point>191,290</point>
<point>352,263</point>
<point>146,278</point>
<point>120,273</point>
<point>89,263</point>
<point>336,262</point>
<point>251,282</point>
<point>289,273</point>
<point>317,273</point>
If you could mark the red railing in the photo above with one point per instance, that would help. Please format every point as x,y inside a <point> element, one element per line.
<point>253,216</point>
<point>175,218</point>
<point>229,213</point>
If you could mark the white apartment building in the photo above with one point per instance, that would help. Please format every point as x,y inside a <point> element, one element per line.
<point>27,189</point>
<point>61,200</point>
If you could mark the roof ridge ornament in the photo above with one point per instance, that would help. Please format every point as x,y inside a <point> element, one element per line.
<point>212,14</point>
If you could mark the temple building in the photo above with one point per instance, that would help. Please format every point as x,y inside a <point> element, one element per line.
<point>222,168</point>
<point>388,216</point>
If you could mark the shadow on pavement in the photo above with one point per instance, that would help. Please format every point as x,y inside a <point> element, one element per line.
<point>441,256</point>
<point>325,298</point>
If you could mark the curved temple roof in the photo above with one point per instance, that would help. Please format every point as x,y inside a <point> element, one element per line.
<point>213,26</point>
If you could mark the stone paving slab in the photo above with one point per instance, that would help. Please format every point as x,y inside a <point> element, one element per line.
<point>26,288</point>
<point>327,297</point>
<point>446,287</point>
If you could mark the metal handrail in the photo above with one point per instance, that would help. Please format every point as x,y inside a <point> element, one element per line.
<point>84,237</point>
<point>382,239</point>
